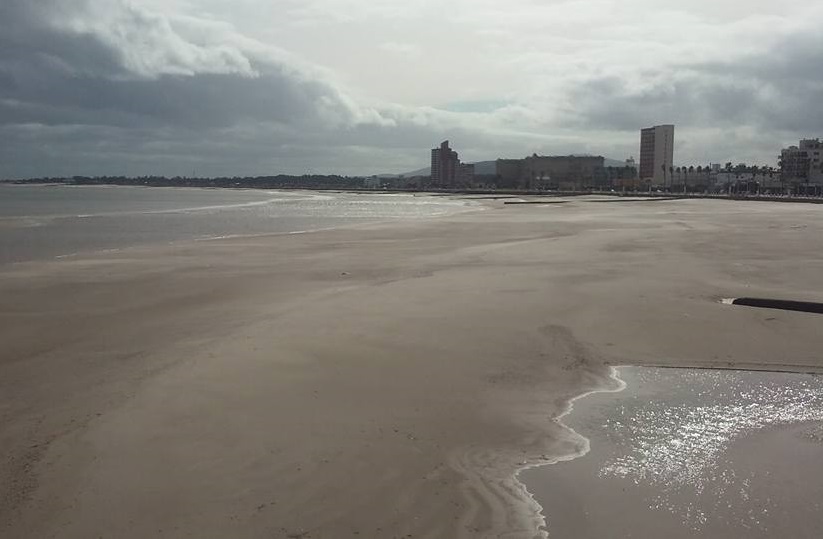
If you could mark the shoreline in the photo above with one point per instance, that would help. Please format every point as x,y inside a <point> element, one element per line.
<point>250,387</point>
<point>613,384</point>
<point>638,195</point>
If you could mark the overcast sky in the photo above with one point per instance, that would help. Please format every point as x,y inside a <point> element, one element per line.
<point>247,87</point>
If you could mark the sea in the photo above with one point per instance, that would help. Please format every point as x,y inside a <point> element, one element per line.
<point>47,222</point>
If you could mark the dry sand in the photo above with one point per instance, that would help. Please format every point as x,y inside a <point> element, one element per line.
<point>380,381</point>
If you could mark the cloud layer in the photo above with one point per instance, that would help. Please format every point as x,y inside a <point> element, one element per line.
<point>118,86</point>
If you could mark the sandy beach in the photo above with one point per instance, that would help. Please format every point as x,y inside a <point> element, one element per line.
<point>386,380</point>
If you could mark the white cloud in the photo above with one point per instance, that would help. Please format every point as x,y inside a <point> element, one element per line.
<point>409,50</point>
<point>285,85</point>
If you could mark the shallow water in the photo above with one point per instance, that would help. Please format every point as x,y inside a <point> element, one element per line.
<point>691,453</point>
<point>45,222</point>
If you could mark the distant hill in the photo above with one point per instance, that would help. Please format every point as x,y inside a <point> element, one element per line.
<point>490,167</point>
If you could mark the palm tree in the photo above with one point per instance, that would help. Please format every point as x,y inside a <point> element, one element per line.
<point>755,168</point>
<point>770,172</point>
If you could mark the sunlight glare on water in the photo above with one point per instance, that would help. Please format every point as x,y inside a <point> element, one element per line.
<point>678,443</point>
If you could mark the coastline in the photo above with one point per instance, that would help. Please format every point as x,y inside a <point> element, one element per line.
<point>613,384</point>
<point>256,386</point>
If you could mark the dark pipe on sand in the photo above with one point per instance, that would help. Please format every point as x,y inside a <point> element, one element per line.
<point>783,304</point>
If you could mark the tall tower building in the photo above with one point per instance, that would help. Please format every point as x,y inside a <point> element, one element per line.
<point>444,166</point>
<point>657,154</point>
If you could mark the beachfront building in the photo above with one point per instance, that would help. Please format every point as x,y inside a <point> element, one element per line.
<point>656,155</point>
<point>508,173</point>
<point>447,172</point>
<point>564,172</point>
<point>444,166</point>
<point>692,178</point>
<point>621,178</point>
<point>465,175</point>
<point>803,164</point>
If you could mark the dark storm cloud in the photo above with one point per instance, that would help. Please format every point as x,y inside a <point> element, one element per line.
<point>202,100</point>
<point>95,87</point>
<point>53,71</point>
<point>686,99</point>
<point>30,44</point>
<point>780,89</point>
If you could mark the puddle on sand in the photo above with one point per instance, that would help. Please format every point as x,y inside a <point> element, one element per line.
<point>691,453</point>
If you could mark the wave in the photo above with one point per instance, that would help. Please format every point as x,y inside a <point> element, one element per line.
<point>40,220</point>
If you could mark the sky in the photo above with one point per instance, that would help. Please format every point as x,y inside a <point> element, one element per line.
<point>360,87</point>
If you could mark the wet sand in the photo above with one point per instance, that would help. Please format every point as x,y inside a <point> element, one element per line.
<point>378,381</point>
<point>691,453</point>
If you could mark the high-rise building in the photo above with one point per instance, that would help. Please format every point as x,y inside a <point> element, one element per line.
<point>444,166</point>
<point>657,154</point>
<point>804,163</point>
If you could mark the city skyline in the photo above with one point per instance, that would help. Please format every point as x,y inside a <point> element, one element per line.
<point>93,87</point>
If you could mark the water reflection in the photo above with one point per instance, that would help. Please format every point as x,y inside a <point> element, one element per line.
<point>678,442</point>
<point>684,452</point>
